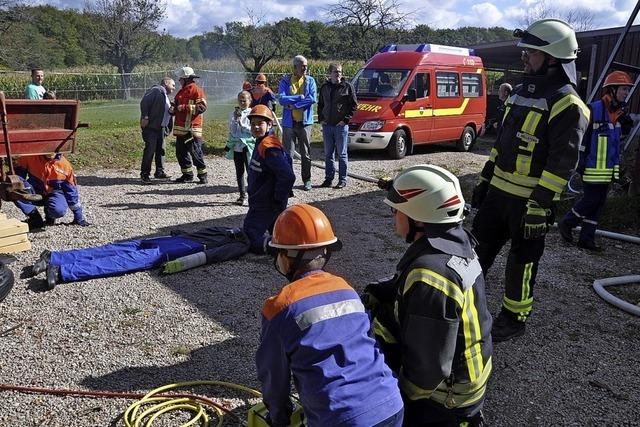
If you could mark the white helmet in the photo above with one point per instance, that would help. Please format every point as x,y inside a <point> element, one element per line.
<point>427,193</point>
<point>186,73</point>
<point>552,36</point>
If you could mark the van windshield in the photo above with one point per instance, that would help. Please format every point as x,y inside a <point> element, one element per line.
<point>371,83</point>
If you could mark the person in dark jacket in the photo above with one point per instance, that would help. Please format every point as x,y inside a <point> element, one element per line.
<point>317,331</point>
<point>270,179</point>
<point>336,105</point>
<point>156,124</point>
<point>431,318</point>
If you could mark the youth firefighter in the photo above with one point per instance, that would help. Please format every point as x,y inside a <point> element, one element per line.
<point>431,318</point>
<point>189,107</point>
<point>529,166</point>
<point>316,330</point>
<point>270,179</point>
<point>599,159</point>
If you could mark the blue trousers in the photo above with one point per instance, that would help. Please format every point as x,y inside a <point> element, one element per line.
<point>55,204</point>
<point>335,142</point>
<point>258,221</point>
<point>121,257</point>
<point>588,210</point>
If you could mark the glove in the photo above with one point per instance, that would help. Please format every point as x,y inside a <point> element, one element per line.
<point>479,193</point>
<point>385,183</point>
<point>535,220</point>
<point>171,267</point>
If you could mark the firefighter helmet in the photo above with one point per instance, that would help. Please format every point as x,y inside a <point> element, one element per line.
<point>186,73</point>
<point>261,78</point>
<point>552,36</point>
<point>261,111</point>
<point>427,193</point>
<point>302,227</point>
<point>618,78</point>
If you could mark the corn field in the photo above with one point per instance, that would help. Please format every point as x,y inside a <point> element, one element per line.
<point>221,80</point>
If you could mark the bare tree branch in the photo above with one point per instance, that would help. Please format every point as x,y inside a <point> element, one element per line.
<point>579,18</point>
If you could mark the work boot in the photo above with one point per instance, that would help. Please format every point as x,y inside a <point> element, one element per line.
<point>161,175</point>
<point>145,179</point>
<point>506,327</point>
<point>49,221</point>
<point>184,178</point>
<point>242,200</point>
<point>326,183</point>
<point>565,231</point>
<point>53,276</point>
<point>42,263</point>
<point>35,221</point>
<point>202,179</point>
<point>340,184</point>
<point>590,246</point>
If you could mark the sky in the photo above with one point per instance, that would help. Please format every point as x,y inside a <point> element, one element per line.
<point>186,18</point>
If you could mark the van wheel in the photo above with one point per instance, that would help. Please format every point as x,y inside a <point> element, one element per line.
<point>397,148</point>
<point>467,139</point>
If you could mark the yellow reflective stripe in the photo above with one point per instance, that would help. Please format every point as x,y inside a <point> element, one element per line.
<point>478,70</point>
<point>381,331</point>
<point>526,280</point>
<point>506,113</point>
<point>472,336</point>
<point>510,188</point>
<point>552,182</point>
<point>435,280</point>
<point>523,164</point>
<point>520,308</point>
<point>565,102</point>
<point>522,180</point>
<point>451,111</point>
<point>493,154</point>
<point>601,153</point>
<point>425,112</point>
<point>531,122</point>
<point>189,170</point>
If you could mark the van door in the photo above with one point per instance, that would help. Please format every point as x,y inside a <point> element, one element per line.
<point>419,113</point>
<point>448,107</point>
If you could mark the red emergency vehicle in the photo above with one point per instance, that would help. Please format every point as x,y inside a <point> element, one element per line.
<point>418,94</point>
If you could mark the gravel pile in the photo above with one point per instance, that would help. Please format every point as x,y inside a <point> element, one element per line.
<point>578,364</point>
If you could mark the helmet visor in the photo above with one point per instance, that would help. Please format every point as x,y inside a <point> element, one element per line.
<point>528,38</point>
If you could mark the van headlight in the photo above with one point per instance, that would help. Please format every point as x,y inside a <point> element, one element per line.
<point>373,125</point>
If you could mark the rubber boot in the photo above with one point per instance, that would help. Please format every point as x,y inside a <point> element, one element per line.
<point>35,221</point>
<point>506,327</point>
<point>53,276</point>
<point>42,264</point>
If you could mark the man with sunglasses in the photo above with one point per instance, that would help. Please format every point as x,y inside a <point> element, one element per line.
<point>529,166</point>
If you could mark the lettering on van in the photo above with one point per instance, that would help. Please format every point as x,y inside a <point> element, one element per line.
<point>372,108</point>
<point>469,61</point>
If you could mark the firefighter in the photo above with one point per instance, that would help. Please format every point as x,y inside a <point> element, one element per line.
<point>599,160</point>
<point>270,179</point>
<point>529,166</point>
<point>316,329</point>
<point>189,106</point>
<point>431,318</point>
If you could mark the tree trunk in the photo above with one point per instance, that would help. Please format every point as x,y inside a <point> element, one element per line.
<point>125,82</point>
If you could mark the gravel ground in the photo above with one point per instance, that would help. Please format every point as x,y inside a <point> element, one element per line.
<point>578,364</point>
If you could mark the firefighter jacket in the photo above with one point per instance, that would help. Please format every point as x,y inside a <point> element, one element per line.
<point>48,175</point>
<point>299,102</point>
<point>316,328</point>
<point>271,174</point>
<point>336,102</point>
<point>438,336</point>
<point>190,104</point>
<point>537,147</point>
<point>600,150</point>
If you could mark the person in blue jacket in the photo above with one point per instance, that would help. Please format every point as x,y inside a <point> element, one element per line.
<point>316,330</point>
<point>599,162</point>
<point>270,180</point>
<point>297,93</point>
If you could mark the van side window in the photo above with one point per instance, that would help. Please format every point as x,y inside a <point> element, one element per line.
<point>471,85</point>
<point>421,84</point>
<point>448,84</point>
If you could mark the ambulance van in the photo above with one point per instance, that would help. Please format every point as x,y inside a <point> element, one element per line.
<point>418,94</point>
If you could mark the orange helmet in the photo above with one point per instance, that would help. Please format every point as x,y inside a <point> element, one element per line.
<point>618,78</point>
<point>261,110</point>
<point>302,227</point>
<point>247,86</point>
<point>261,78</point>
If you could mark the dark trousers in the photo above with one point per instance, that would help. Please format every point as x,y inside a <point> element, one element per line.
<point>588,210</point>
<point>258,221</point>
<point>188,150</point>
<point>427,413</point>
<point>394,420</point>
<point>241,161</point>
<point>153,146</point>
<point>500,219</point>
<point>299,137</point>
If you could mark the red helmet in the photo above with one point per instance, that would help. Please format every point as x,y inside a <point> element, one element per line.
<point>261,78</point>
<point>302,227</point>
<point>261,110</point>
<point>618,78</point>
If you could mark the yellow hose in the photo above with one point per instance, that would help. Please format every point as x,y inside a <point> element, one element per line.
<point>134,416</point>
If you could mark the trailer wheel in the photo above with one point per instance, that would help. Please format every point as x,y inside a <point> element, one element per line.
<point>467,139</point>
<point>397,148</point>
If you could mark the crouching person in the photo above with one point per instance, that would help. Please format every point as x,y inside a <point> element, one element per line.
<point>52,177</point>
<point>316,330</point>
<point>270,180</point>
<point>431,318</point>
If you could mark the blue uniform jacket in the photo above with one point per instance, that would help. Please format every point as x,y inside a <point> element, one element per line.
<point>271,175</point>
<point>600,151</point>
<point>305,101</point>
<point>316,328</point>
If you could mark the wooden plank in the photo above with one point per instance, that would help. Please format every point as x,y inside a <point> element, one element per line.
<point>11,227</point>
<point>3,216</point>
<point>12,240</point>
<point>19,247</point>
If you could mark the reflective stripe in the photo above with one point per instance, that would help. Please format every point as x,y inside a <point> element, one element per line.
<point>567,101</point>
<point>435,280</point>
<point>537,103</point>
<point>381,331</point>
<point>601,153</point>
<point>526,280</point>
<point>531,122</point>
<point>493,154</point>
<point>328,311</point>
<point>472,336</point>
<point>521,308</point>
<point>552,182</point>
<point>201,170</point>
<point>187,119</point>
<point>506,113</point>
<point>423,112</point>
<point>451,111</point>
<point>516,184</point>
<point>187,170</point>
